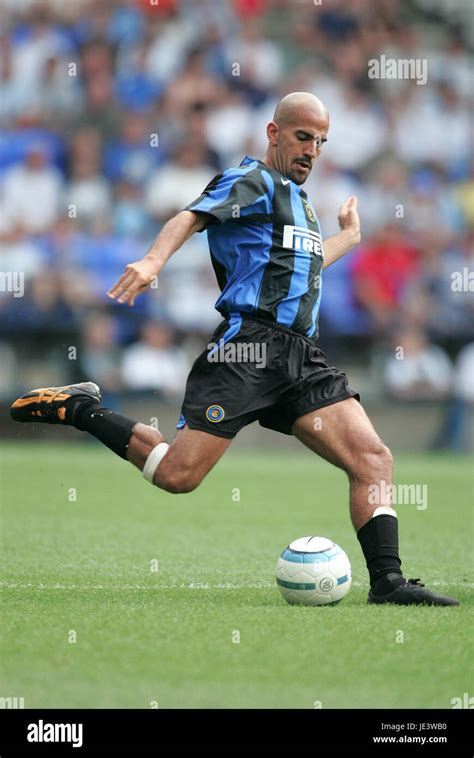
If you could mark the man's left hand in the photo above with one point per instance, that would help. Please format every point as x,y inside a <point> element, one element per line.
<point>349,218</point>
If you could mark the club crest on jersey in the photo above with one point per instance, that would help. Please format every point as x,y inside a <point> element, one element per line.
<point>215,413</point>
<point>300,238</point>
<point>309,211</point>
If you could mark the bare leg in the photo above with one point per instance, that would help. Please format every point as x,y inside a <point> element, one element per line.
<point>144,438</point>
<point>345,437</point>
<point>191,455</point>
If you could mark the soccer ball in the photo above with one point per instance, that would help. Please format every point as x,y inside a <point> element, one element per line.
<point>313,571</point>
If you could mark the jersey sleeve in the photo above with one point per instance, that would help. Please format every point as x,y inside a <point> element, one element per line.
<point>233,195</point>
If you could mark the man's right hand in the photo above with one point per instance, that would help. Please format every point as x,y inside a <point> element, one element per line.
<point>135,280</point>
<point>138,276</point>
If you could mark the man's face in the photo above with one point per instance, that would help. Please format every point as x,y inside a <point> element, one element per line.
<point>297,144</point>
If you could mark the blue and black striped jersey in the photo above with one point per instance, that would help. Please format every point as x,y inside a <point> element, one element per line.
<point>265,244</point>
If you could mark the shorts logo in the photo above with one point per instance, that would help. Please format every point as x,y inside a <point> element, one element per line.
<point>215,413</point>
<point>309,211</point>
<point>300,238</point>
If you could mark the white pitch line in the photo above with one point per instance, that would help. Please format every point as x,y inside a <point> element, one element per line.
<point>154,587</point>
<point>192,586</point>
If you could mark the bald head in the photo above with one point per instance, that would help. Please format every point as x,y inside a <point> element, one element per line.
<point>291,107</point>
<point>296,135</point>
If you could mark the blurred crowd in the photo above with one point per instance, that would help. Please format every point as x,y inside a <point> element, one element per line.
<point>116,113</point>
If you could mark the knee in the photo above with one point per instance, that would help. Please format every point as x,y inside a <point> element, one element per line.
<point>175,481</point>
<point>374,461</point>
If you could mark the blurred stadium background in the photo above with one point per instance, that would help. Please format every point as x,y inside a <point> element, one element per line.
<point>116,113</point>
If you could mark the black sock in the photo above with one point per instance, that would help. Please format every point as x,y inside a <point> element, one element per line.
<point>111,428</point>
<point>379,541</point>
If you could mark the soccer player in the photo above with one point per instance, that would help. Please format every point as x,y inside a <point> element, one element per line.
<point>268,256</point>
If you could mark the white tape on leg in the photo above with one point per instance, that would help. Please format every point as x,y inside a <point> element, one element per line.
<point>384,509</point>
<point>154,460</point>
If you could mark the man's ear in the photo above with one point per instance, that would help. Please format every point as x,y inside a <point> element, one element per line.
<point>272,133</point>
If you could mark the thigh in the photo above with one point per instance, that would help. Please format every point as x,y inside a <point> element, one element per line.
<point>337,432</point>
<point>235,379</point>
<point>195,451</point>
<point>314,384</point>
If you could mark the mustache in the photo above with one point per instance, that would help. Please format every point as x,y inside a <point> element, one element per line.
<point>307,161</point>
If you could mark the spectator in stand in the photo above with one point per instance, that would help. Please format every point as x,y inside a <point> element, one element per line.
<point>130,218</point>
<point>337,186</point>
<point>50,94</point>
<point>357,133</point>
<point>229,125</point>
<point>43,309</point>
<point>100,354</point>
<point>192,86</point>
<point>57,97</point>
<point>37,38</point>
<point>134,155</point>
<point>431,115</point>
<point>432,204</point>
<point>170,36</point>
<point>154,363</point>
<point>175,185</point>
<point>260,62</point>
<point>195,131</point>
<point>88,197</point>
<point>136,89</point>
<point>464,374</point>
<point>384,196</point>
<point>101,111</point>
<point>417,370</point>
<point>433,299</point>
<point>382,270</point>
<point>32,192</point>
<point>455,430</point>
<point>464,192</point>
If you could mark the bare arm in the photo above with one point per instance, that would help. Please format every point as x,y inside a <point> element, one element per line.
<point>339,244</point>
<point>137,276</point>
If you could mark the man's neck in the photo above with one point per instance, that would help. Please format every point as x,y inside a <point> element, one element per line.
<point>270,164</point>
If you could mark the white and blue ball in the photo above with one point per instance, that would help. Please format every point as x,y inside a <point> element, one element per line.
<point>313,571</point>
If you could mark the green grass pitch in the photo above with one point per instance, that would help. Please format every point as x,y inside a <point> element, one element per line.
<point>82,533</point>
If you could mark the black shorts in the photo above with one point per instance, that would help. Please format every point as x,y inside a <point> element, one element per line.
<point>256,370</point>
